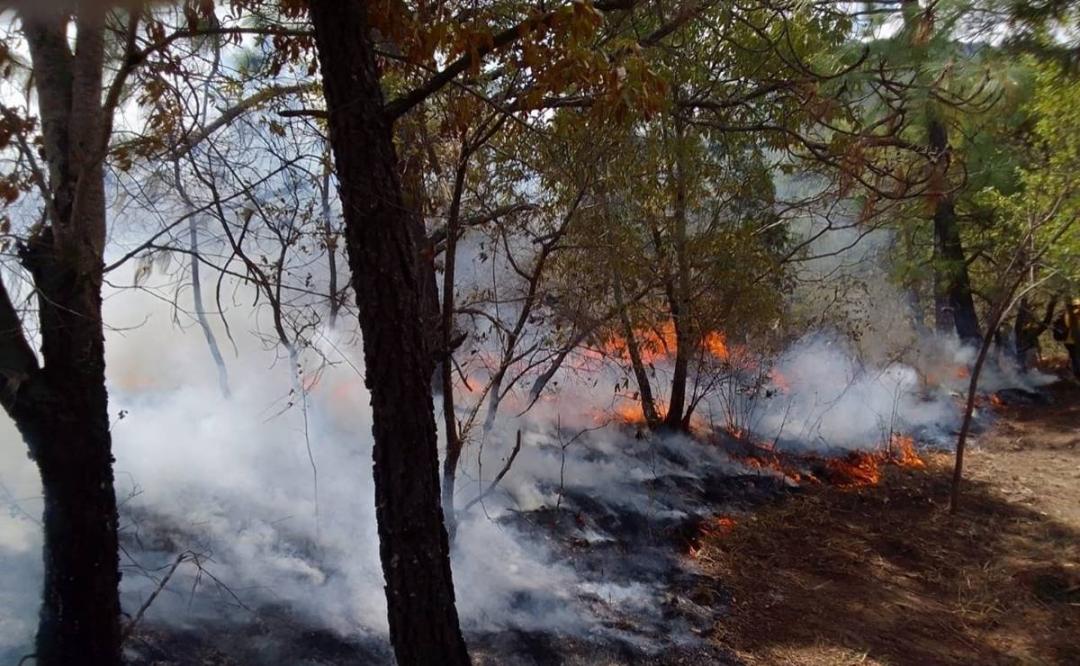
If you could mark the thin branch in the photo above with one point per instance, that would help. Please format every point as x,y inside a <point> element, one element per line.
<point>498,477</point>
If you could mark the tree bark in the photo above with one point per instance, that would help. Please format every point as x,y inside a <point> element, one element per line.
<point>67,431</point>
<point>648,402</point>
<point>200,311</point>
<point>955,306</point>
<point>61,406</point>
<point>413,544</point>
<point>446,365</point>
<point>678,289</point>
<point>409,132</point>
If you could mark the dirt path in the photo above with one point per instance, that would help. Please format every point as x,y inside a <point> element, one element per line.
<point>885,575</point>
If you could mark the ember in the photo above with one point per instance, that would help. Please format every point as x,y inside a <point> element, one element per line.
<point>713,528</point>
<point>764,457</point>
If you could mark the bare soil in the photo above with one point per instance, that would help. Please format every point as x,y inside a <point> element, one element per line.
<point>887,576</point>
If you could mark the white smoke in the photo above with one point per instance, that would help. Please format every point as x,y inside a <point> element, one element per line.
<point>831,401</point>
<point>233,480</point>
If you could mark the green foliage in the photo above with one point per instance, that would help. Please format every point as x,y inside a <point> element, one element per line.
<point>1047,197</point>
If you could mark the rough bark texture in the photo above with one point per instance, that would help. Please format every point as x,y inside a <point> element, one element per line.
<point>382,255</point>
<point>411,169</point>
<point>61,406</point>
<point>66,428</point>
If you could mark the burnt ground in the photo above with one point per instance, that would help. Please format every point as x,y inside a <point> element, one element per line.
<point>635,591</point>
<point>886,575</point>
<point>745,569</point>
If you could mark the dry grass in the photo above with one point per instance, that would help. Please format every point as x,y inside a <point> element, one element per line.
<point>885,575</point>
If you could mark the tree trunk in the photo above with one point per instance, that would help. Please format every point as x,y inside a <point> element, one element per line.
<point>382,255</point>
<point>965,427</point>
<point>61,410</point>
<point>673,419</point>
<point>954,280</point>
<point>679,289</point>
<point>446,365</point>
<point>954,303</point>
<point>200,311</point>
<point>330,238</point>
<point>411,170</point>
<point>61,407</point>
<point>80,613</point>
<point>648,403</point>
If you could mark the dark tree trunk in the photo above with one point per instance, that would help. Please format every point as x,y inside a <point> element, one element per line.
<point>678,289</point>
<point>68,436</point>
<point>641,375</point>
<point>673,419</point>
<point>1027,329</point>
<point>954,281</point>
<point>61,410</point>
<point>61,406</point>
<point>382,255</point>
<point>414,197</point>
<point>954,304</point>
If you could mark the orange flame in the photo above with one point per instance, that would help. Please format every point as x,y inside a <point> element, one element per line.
<point>903,454</point>
<point>779,381</point>
<point>715,527</point>
<point>864,468</point>
<point>855,470</point>
<point>656,344</point>
<point>716,344</point>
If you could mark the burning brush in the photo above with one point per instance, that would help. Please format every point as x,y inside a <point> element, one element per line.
<point>856,469</point>
<point>711,528</point>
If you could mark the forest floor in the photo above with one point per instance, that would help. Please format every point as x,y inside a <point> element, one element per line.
<point>887,576</point>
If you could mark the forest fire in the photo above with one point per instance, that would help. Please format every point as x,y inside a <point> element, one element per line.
<point>902,452</point>
<point>628,413</point>
<point>864,468</point>
<point>779,381</point>
<point>567,288</point>
<point>710,529</point>
<point>715,344</point>
<point>763,456</point>
<point>659,343</point>
<point>856,469</point>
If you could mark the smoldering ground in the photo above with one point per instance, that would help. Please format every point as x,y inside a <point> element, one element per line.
<point>579,553</point>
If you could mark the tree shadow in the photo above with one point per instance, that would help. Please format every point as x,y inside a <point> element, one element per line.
<point>887,575</point>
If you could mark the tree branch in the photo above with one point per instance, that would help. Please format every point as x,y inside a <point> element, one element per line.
<point>18,363</point>
<point>186,144</point>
